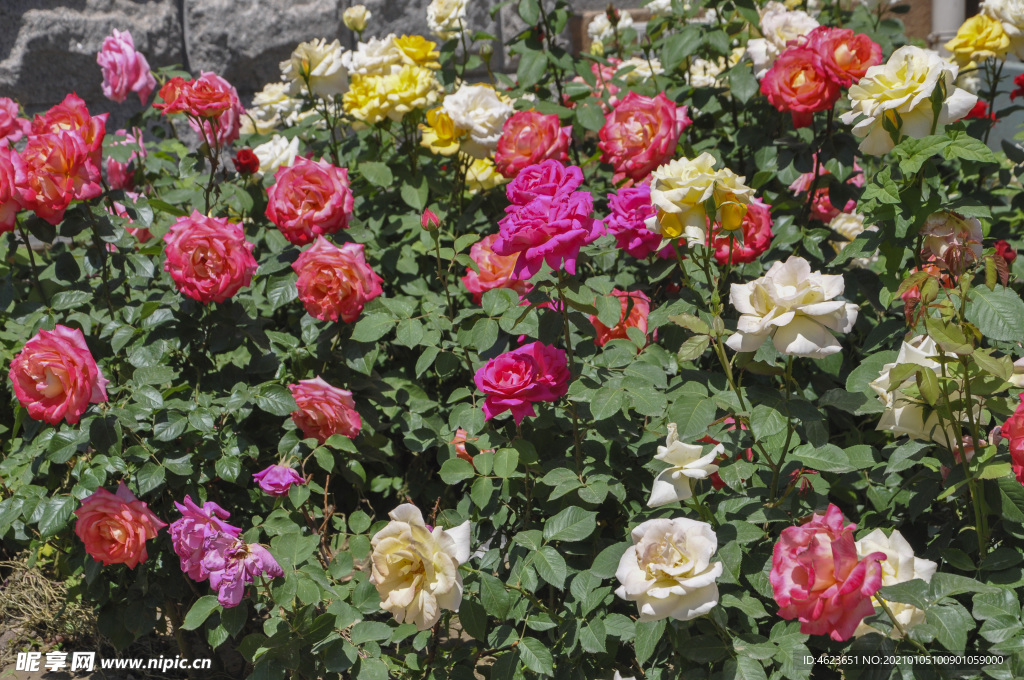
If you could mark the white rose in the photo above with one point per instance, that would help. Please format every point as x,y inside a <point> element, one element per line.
<point>778,26</point>
<point>356,17</point>
<point>902,414</point>
<point>1010,13</point>
<point>447,18</point>
<point>668,570</point>
<point>659,8</point>
<point>416,569</point>
<point>904,84</point>
<point>276,153</point>
<point>795,307</point>
<point>320,63</point>
<point>686,462</point>
<point>618,676</point>
<point>643,69</point>
<point>375,57</point>
<point>600,27</point>
<point>478,110</point>
<point>704,73</point>
<point>900,565</point>
<point>269,107</point>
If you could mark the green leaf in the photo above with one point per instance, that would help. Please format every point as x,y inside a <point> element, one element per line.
<point>742,83</point>
<point>71,299</point>
<point>952,623</point>
<point>648,635</point>
<point>55,517</point>
<point>998,314</point>
<point>505,462</point>
<point>200,611</point>
<point>372,327</point>
<point>692,414</point>
<point>370,631</point>
<point>455,470</point>
<point>590,116</point>
<point>948,336</point>
<point>607,561</point>
<point>532,66</point>
<point>550,566</point>
<point>679,46</point>
<point>276,399</point>
<point>377,173</point>
<point>536,656</point>
<point>572,524</point>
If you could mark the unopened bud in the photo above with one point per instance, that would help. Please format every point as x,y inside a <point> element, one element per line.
<point>430,221</point>
<point>486,52</point>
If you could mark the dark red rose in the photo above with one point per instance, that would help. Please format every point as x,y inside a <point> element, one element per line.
<point>246,162</point>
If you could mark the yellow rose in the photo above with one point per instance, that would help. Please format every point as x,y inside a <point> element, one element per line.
<point>419,51</point>
<point>731,199</point>
<point>410,87</point>
<point>979,38</point>
<point>440,134</point>
<point>367,99</point>
<point>482,175</point>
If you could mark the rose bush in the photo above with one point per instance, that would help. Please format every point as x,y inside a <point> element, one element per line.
<point>696,356</point>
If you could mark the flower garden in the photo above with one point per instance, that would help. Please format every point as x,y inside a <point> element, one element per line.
<point>697,355</point>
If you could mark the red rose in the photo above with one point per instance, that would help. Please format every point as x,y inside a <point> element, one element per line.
<point>1006,251</point>
<point>246,162</point>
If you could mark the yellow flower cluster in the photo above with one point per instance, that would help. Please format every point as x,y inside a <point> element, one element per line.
<point>401,88</point>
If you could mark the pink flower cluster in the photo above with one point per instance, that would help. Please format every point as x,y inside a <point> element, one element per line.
<point>818,579</point>
<point>209,548</point>
<point>517,379</point>
<point>548,221</point>
<point>810,73</point>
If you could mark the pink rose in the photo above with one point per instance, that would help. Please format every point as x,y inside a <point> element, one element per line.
<point>190,533</point>
<point>233,564</point>
<point>55,376</point>
<point>635,308</point>
<point>12,128</point>
<point>335,282</point>
<point>548,229</point>
<point>121,175</point>
<point>798,82</point>
<point>115,527</point>
<point>547,178</point>
<point>845,55</point>
<point>124,69</point>
<point>57,171</point>
<point>757,236</point>
<point>517,379</point>
<point>72,115</point>
<point>629,208</point>
<point>495,270</point>
<point>640,134</point>
<point>277,479</point>
<point>309,199</point>
<point>529,137</point>
<point>208,257</point>
<point>205,98</point>
<point>12,173</point>
<point>817,578</point>
<point>324,410</point>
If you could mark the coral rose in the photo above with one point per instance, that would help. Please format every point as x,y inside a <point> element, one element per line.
<point>335,282</point>
<point>55,376</point>
<point>416,568</point>
<point>635,308</point>
<point>324,410</point>
<point>205,98</point>
<point>846,56</point>
<point>115,527</point>
<point>668,570</point>
<point>72,115</point>
<point>757,236</point>
<point>799,83</point>
<point>309,199</point>
<point>124,69</point>
<point>12,173</point>
<point>208,258</point>
<point>57,171</point>
<point>517,379</point>
<point>190,533</point>
<point>629,209</point>
<point>495,271</point>
<point>12,128</point>
<point>640,134</point>
<point>817,577</point>
<point>277,479</point>
<point>529,137</point>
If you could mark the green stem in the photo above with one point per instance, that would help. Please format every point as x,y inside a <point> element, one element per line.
<point>569,351</point>
<point>32,262</point>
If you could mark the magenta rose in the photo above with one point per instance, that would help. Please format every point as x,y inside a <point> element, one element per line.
<point>324,410</point>
<point>529,137</point>
<point>640,134</point>
<point>189,534</point>
<point>233,564</point>
<point>335,283</point>
<point>55,376</point>
<point>309,199</point>
<point>517,379</point>
<point>547,178</point>
<point>817,577</point>
<point>277,479</point>
<point>629,209</point>
<point>124,69</point>
<point>12,128</point>
<point>208,258</point>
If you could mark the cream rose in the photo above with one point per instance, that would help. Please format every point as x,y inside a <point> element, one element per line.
<point>276,153</point>
<point>900,565</point>
<point>356,17</point>
<point>668,570</point>
<point>416,568</point>
<point>904,85</point>
<point>481,112</point>
<point>643,69</point>
<point>1010,13</point>
<point>375,57</point>
<point>446,18</point>
<point>904,415</point>
<point>795,307</point>
<point>600,27</point>
<point>320,63</point>
<point>778,26</point>
<point>686,462</point>
<point>659,8</point>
